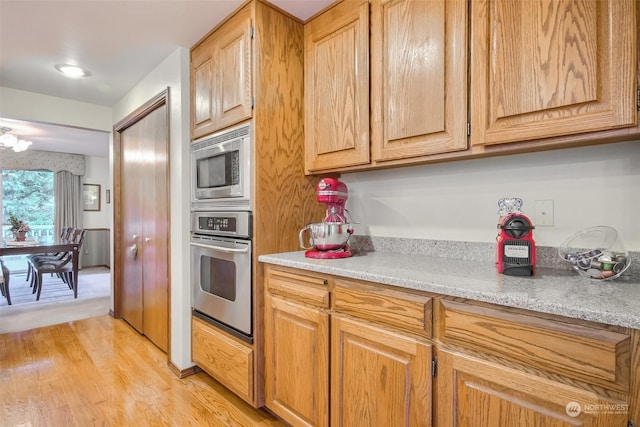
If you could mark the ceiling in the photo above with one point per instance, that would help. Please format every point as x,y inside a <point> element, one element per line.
<point>119,42</point>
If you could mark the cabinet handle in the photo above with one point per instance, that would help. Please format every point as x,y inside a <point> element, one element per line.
<point>147,239</point>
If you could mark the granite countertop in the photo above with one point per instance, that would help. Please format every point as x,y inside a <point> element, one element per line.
<point>553,291</point>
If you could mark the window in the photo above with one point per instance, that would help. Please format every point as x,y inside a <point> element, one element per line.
<point>30,197</point>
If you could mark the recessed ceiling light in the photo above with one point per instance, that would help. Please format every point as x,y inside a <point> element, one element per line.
<point>72,71</point>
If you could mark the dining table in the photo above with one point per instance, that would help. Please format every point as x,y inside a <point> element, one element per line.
<point>10,247</point>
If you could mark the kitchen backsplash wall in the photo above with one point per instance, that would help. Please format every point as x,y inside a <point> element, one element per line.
<point>457,201</point>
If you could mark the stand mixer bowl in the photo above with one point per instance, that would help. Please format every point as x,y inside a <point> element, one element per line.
<point>325,236</point>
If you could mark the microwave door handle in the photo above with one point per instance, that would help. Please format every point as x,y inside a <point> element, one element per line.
<point>221,249</point>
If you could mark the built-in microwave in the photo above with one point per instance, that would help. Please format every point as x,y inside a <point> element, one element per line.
<point>221,167</point>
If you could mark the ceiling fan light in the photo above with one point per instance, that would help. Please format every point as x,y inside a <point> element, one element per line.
<point>22,145</point>
<point>72,71</point>
<point>8,140</point>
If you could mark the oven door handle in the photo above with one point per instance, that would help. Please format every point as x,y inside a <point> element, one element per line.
<point>221,249</point>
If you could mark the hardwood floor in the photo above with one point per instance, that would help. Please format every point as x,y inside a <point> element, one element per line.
<point>100,372</point>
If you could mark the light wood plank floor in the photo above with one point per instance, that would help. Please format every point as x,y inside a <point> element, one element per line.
<point>100,372</point>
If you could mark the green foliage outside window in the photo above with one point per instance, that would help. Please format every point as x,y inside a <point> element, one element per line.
<point>29,196</point>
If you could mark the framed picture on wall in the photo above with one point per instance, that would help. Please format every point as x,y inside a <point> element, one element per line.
<point>91,197</point>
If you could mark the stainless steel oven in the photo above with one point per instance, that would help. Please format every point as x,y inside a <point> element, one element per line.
<point>221,270</point>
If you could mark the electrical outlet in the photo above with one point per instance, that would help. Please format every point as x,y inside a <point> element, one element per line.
<point>544,213</point>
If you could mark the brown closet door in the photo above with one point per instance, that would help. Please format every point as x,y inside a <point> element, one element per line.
<point>145,232</point>
<point>155,229</point>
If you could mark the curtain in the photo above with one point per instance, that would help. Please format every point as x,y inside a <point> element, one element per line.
<point>68,195</point>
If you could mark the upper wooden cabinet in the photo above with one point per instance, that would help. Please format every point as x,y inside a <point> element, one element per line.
<point>221,93</point>
<point>336,82</point>
<point>508,76</point>
<point>418,78</point>
<point>549,68</point>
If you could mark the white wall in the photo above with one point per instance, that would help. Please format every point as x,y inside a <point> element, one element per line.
<point>598,185</point>
<point>29,106</point>
<point>173,72</point>
<point>97,172</point>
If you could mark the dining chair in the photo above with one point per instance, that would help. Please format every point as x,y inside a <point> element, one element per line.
<point>62,267</point>
<point>4,285</point>
<point>65,233</point>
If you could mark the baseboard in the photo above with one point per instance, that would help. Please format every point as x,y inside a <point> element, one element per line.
<point>184,372</point>
<point>112,314</point>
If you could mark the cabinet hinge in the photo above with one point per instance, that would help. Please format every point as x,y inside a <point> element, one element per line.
<point>434,367</point>
<point>638,99</point>
<point>468,128</point>
<point>253,102</point>
<point>252,31</point>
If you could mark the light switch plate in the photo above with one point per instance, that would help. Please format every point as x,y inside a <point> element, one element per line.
<point>544,213</point>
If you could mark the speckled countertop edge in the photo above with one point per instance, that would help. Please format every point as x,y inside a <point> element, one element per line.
<point>553,291</point>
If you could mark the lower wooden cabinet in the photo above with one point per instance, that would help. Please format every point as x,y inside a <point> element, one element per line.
<point>344,352</point>
<point>471,392</point>
<point>223,357</point>
<point>378,377</point>
<point>297,362</point>
<point>374,375</point>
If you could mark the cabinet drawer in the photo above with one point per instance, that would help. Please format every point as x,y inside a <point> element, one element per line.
<point>585,353</point>
<point>403,310</point>
<point>225,359</point>
<point>305,289</point>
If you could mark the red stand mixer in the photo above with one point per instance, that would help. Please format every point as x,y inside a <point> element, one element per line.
<point>329,239</point>
<point>516,248</point>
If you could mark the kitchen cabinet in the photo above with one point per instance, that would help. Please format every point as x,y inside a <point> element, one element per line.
<point>263,66</point>
<point>221,91</point>
<point>297,348</point>
<point>456,80</point>
<point>377,374</point>
<point>418,78</point>
<point>378,377</point>
<point>407,357</point>
<point>509,367</point>
<point>336,81</point>
<point>223,356</point>
<point>542,69</point>
<point>473,392</point>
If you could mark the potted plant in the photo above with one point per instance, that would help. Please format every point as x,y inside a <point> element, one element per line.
<point>19,228</point>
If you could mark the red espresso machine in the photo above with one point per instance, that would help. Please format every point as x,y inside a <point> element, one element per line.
<point>329,239</point>
<point>516,247</point>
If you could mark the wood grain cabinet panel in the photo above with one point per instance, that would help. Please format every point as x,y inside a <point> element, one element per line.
<point>403,310</point>
<point>224,358</point>
<point>302,288</point>
<point>336,82</point>
<point>297,362</point>
<point>378,377</point>
<point>550,68</point>
<point>474,393</point>
<point>221,91</point>
<point>593,355</point>
<point>418,78</point>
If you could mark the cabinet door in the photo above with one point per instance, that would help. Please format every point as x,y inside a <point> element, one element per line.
<point>296,362</point>
<point>202,79</point>
<point>474,393</point>
<point>336,96</point>
<point>378,377</point>
<point>232,90</point>
<point>547,68</point>
<point>418,77</point>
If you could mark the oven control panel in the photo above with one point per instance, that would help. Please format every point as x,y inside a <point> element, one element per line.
<point>217,223</point>
<point>237,224</point>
